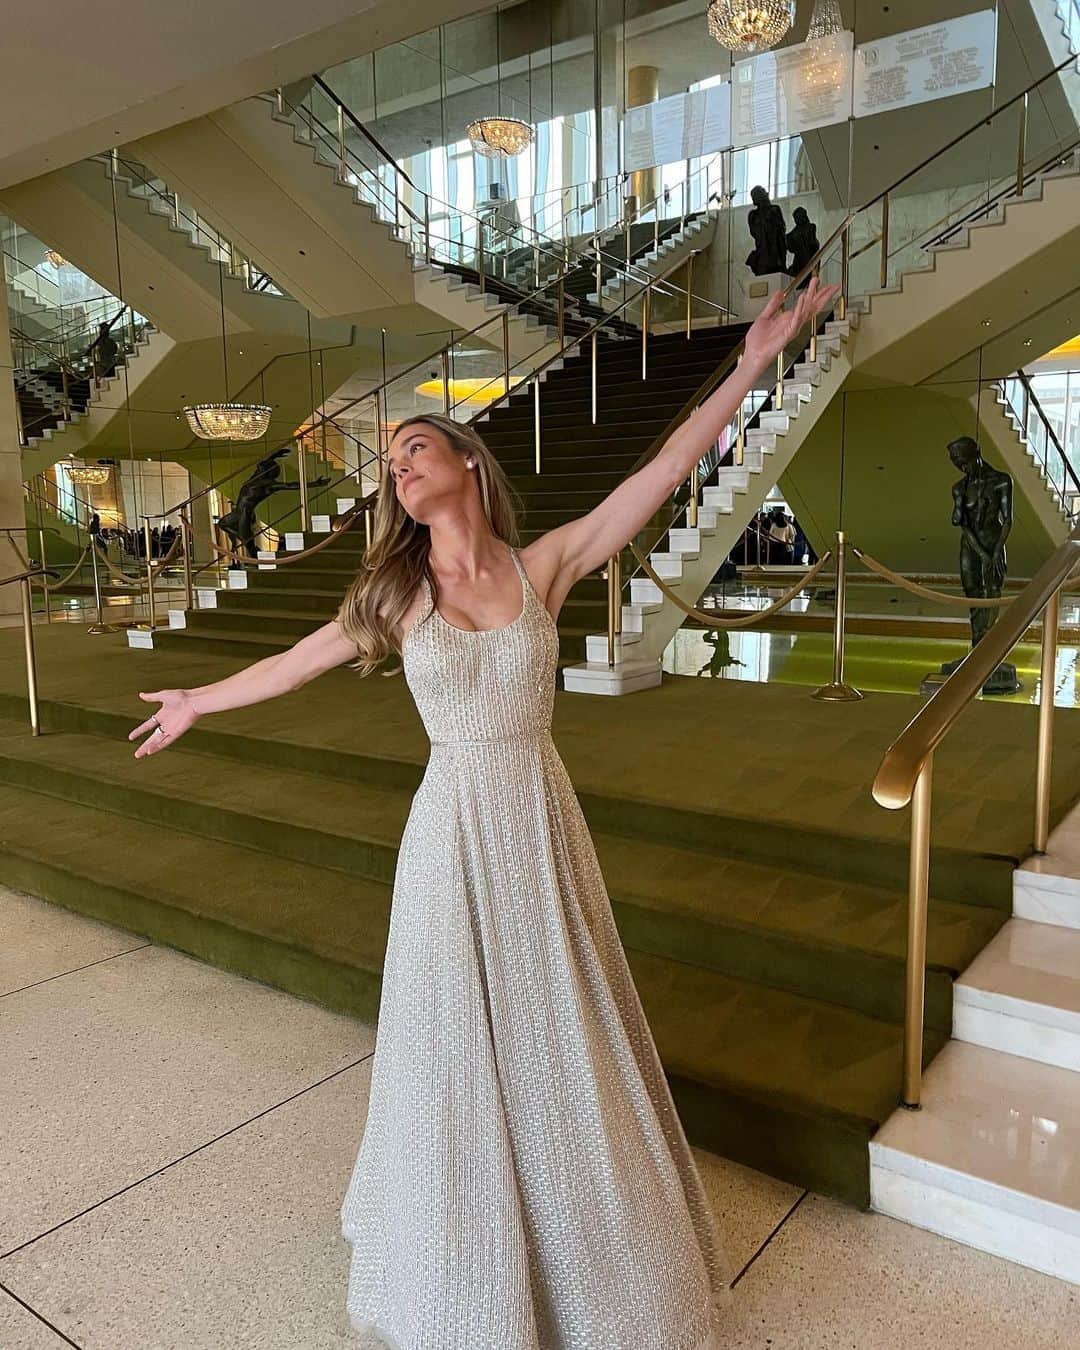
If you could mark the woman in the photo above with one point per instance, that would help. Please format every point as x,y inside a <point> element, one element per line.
<point>524,1182</point>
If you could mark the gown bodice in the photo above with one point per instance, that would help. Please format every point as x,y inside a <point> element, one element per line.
<point>487,684</point>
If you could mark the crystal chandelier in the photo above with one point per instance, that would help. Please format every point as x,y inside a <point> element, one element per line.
<point>825,64</point>
<point>497,136</point>
<point>90,475</point>
<point>500,137</point>
<point>228,421</point>
<point>748,26</point>
<point>825,20</point>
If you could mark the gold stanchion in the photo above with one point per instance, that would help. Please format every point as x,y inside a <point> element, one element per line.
<point>645,331</point>
<point>148,538</point>
<point>918,891</point>
<point>1044,755</point>
<point>778,400</point>
<point>692,505</point>
<point>845,263</point>
<point>185,530</point>
<point>31,663</point>
<point>44,584</point>
<point>614,597</point>
<point>689,293</point>
<point>101,626</point>
<point>446,381</point>
<point>301,459</point>
<point>836,691</point>
<point>367,528</point>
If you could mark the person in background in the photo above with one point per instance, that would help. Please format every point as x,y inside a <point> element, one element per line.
<point>103,353</point>
<point>781,537</point>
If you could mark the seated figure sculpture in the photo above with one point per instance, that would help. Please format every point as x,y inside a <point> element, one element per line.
<point>769,229</point>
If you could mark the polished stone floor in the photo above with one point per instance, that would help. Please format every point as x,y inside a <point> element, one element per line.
<point>177,1139</point>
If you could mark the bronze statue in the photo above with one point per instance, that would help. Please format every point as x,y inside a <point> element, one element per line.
<point>983,510</point>
<point>802,240</point>
<point>239,523</point>
<point>766,223</point>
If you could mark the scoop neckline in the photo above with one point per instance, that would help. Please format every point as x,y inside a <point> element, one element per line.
<point>502,628</point>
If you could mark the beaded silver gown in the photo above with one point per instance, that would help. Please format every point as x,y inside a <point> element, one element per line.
<point>524,1182</point>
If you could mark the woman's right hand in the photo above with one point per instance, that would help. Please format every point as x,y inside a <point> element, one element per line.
<point>175,716</point>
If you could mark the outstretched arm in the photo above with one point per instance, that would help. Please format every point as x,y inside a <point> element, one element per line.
<point>571,551</point>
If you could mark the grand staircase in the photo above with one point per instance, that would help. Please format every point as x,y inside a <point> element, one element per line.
<point>580,464</point>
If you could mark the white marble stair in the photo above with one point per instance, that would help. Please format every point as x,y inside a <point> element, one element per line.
<point>992,1159</point>
<point>688,559</point>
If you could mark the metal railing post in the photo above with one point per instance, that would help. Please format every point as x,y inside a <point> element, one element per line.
<point>614,598</point>
<point>44,564</point>
<point>562,313</point>
<point>446,381</point>
<point>185,528</point>
<point>101,626</point>
<point>918,891</point>
<point>689,293</point>
<point>31,662</point>
<point>343,163</point>
<point>506,350</point>
<point>1021,146</point>
<point>1044,753</point>
<point>692,505</point>
<point>778,399</point>
<point>845,263</point>
<point>147,542</point>
<point>884,241</point>
<point>536,419</point>
<point>812,352</point>
<point>595,383</point>
<point>645,330</point>
<point>480,256</point>
<point>837,691</point>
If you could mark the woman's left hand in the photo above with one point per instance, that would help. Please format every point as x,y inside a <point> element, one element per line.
<point>775,326</point>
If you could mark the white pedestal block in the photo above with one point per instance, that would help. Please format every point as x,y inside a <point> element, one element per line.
<point>237,579</point>
<point>177,618</point>
<point>751,294</point>
<point>628,676</point>
<point>141,637</point>
<point>294,541</point>
<point>345,504</point>
<point>267,560</point>
<point>206,597</point>
<point>321,524</point>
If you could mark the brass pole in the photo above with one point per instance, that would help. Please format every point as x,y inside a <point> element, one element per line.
<point>812,353</point>
<point>778,401</point>
<point>506,350</point>
<point>845,259</point>
<point>645,331</point>
<point>446,381</point>
<point>427,228</point>
<point>689,293</point>
<point>185,529</point>
<point>149,574</point>
<point>31,663</point>
<point>1021,147</point>
<point>44,582</point>
<point>618,593</point>
<point>740,438</point>
<point>1044,757</point>
<point>536,418</point>
<point>562,314</point>
<point>692,506</point>
<point>367,528</point>
<point>342,162</point>
<point>101,626</point>
<point>884,241</point>
<point>918,891</point>
<point>305,521</point>
<point>378,441</point>
<point>837,691</point>
<point>480,256</point>
<point>595,387</point>
<point>536,266</point>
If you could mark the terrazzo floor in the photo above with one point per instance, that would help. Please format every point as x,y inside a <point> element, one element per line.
<point>177,1139</point>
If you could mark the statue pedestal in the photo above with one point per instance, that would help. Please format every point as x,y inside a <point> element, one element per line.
<point>1004,680</point>
<point>751,294</point>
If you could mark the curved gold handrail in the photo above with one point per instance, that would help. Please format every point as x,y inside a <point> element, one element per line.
<point>904,760</point>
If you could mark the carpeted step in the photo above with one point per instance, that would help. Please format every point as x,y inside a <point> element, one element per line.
<point>836,941</point>
<point>778,1082</point>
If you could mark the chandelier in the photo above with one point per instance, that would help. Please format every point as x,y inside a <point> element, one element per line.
<point>500,137</point>
<point>90,475</point>
<point>57,259</point>
<point>825,63</point>
<point>228,421</point>
<point>748,26</point>
<point>825,20</point>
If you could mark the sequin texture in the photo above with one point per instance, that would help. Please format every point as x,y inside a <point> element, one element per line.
<point>524,1182</point>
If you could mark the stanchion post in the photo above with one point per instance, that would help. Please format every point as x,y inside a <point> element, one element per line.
<point>44,583</point>
<point>101,626</point>
<point>692,505</point>
<point>915,981</point>
<point>185,530</point>
<point>1045,751</point>
<point>148,540</point>
<point>837,691</point>
<point>31,663</point>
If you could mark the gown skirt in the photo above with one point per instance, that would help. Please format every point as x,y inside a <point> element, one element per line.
<point>523,1181</point>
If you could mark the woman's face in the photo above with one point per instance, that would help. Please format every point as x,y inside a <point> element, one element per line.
<point>425,469</point>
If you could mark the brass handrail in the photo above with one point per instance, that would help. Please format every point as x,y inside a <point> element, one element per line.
<point>894,783</point>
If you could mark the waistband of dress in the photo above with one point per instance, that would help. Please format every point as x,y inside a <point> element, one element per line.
<point>520,737</point>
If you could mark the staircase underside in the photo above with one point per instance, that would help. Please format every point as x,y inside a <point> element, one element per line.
<point>756,886</point>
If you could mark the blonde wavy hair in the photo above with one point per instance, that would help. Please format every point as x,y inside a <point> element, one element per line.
<point>397,557</point>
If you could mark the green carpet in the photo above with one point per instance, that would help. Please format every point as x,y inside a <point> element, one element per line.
<point>756,885</point>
